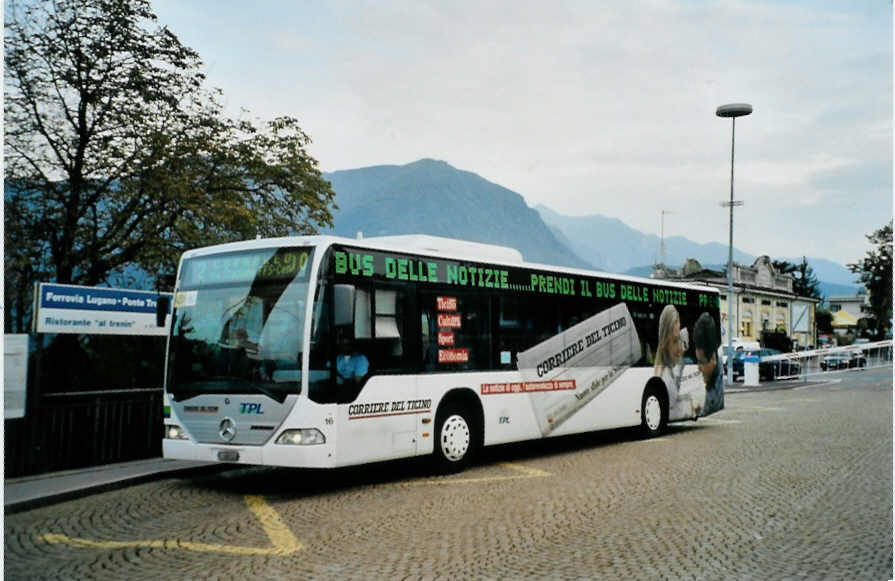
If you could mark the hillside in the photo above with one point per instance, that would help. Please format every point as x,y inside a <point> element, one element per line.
<point>432,197</point>
<point>633,252</point>
<point>630,248</point>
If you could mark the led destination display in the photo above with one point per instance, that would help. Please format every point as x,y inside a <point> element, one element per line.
<point>348,262</point>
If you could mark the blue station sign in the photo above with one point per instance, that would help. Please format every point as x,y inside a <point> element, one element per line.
<point>63,308</point>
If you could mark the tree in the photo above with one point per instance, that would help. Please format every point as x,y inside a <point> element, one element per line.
<point>824,321</point>
<point>875,271</point>
<point>117,155</point>
<point>804,281</point>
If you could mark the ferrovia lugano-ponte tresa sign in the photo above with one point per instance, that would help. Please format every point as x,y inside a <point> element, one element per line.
<point>63,308</point>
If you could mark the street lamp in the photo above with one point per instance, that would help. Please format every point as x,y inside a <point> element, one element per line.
<point>733,111</point>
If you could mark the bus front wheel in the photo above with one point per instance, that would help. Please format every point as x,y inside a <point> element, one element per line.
<point>653,413</point>
<point>455,439</point>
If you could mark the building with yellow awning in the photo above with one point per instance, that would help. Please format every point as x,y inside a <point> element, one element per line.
<point>843,322</point>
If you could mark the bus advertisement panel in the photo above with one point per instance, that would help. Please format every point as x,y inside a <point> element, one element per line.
<point>560,325</point>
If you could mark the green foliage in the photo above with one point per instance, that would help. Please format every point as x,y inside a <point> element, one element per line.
<point>776,340</point>
<point>804,281</point>
<point>823,320</point>
<point>116,154</point>
<point>875,271</point>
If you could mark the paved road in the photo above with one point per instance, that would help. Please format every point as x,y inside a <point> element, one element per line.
<point>783,484</point>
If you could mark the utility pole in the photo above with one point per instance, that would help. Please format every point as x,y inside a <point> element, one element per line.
<point>662,236</point>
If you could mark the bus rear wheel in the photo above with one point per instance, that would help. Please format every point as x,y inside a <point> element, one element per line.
<point>653,413</point>
<point>455,439</point>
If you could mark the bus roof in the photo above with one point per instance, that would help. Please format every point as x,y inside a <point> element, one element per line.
<point>435,246</point>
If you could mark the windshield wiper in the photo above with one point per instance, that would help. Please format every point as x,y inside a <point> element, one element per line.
<point>229,383</point>
<point>278,396</point>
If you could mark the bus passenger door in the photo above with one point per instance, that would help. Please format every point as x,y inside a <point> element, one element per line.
<point>380,423</point>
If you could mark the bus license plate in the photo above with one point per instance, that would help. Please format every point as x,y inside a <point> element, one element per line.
<point>228,456</point>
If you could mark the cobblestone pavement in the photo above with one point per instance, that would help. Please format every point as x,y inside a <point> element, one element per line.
<point>783,484</point>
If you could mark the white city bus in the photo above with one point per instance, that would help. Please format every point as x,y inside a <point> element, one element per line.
<point>325,352</point>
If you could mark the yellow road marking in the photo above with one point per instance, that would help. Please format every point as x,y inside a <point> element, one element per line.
<point>282,539</point>
<point>284,542</point>
<point>531,472</point>
<point>754,408</point>
<point>526,472</point>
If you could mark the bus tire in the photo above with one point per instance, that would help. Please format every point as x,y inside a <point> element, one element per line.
<point>653,412</point>
<point>456,438</point>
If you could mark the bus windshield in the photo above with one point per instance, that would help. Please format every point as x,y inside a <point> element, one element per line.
<point>238,324</point>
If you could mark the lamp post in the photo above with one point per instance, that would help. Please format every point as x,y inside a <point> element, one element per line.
<point>733,111</point>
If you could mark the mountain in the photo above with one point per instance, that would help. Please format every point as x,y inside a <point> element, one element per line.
<point>831,289</point>
<point>433,197</point>
<point>829,271</point>
<point>618,247</point>
<point>633,252</point>
<point>827,289</point>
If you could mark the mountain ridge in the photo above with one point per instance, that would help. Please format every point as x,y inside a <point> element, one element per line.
<point>430,196</point>
<point>642,250</point>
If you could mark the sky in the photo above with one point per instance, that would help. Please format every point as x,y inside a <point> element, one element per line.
<point>591,107</point>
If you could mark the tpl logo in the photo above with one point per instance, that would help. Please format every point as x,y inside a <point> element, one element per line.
<point>250,408</point>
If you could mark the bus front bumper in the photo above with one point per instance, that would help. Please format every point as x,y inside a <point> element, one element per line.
<point>318,456</point>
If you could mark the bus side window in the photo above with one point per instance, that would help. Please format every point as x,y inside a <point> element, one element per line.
<point>429,340</point>
<point>389,328</point>
<point>646,323</point>
<point>455,332</point>
<point>523,323</point>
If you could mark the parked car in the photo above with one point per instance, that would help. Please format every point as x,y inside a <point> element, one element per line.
<point>843,360</point>
<point>767,370</point>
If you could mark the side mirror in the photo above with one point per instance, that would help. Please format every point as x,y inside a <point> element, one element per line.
<point>343,301</point>
<point>162,306</point>
<point>166,280</point>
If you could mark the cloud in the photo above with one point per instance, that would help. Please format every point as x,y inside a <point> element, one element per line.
<point>588,107</point>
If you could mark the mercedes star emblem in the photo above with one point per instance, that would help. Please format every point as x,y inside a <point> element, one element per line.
<point>227,429</point>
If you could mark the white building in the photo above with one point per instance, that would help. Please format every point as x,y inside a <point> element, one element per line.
<point>848,310</point>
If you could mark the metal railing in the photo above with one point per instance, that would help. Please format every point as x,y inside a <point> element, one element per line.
<point>831,360</point>
<point>64,431</point>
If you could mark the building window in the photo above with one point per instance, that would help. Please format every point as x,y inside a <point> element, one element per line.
<point>835,308</point>
<point>782,304</point>
<point>766,303</point>
<point>749,300</point>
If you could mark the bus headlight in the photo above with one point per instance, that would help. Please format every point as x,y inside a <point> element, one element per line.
<point>173,432</point>
<point>303,437</point>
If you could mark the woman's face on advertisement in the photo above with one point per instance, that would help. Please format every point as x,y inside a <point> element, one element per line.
<point>677,348</point>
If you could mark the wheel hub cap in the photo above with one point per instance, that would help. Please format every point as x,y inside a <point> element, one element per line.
<point>455,438</point>
<point>653,412</point>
